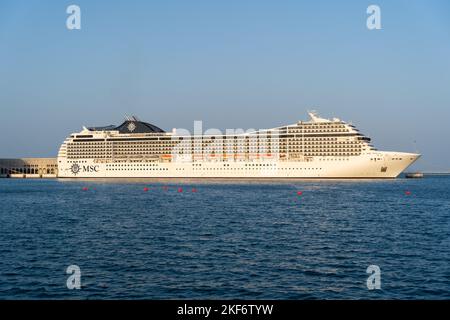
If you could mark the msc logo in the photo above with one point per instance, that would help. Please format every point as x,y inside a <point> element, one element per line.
<point>131,127</point>
<point>75,168</point>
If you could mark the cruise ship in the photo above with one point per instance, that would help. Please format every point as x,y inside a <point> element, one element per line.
<point>317,148</point>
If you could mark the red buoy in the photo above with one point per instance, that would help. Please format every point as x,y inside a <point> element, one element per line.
<point>85,188</point>
<point>194,190</point>
<point>146,189</point>
<point>408,193</point>
<point>180,190</point>
<point>299,193</point>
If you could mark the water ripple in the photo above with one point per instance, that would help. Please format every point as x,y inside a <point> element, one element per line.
<point>227,240</point>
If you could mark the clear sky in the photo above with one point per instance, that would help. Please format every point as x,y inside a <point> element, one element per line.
<point>233,64</point>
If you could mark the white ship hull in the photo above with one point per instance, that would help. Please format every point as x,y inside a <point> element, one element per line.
<point>390,165</point>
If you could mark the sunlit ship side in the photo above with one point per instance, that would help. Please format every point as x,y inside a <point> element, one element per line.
<point>318,148</point>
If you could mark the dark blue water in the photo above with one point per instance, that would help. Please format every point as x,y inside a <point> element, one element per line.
<point>227,240</point>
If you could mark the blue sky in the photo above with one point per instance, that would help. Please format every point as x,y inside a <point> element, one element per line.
<point>233,64</point>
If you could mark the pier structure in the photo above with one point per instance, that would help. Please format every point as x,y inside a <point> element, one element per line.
<point>29,168</point>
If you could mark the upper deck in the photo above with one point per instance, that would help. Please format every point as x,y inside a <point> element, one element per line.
<point>134,139</point>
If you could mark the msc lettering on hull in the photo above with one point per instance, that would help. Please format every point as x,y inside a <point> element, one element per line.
<point>76,168</point>
<point>90,168</point>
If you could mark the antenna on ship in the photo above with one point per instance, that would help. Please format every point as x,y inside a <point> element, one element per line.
<point>415,146</point>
